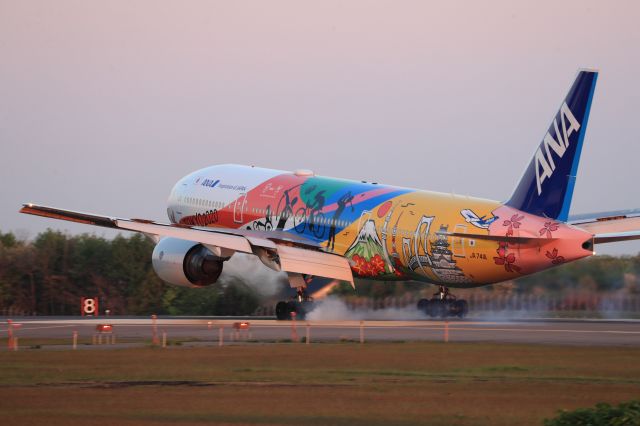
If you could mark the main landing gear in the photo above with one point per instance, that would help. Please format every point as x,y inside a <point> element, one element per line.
<point>300,304</point>
<point>444,304</point>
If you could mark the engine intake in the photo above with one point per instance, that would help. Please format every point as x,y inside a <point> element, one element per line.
<point>201,267</point>
<point>186,263</point>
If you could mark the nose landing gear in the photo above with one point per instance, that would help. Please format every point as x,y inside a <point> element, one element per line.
<point>444,304</point>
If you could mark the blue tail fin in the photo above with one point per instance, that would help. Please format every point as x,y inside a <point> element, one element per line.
<point>547,185</point>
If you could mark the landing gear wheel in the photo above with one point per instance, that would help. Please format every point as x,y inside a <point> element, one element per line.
<point>445,311</point>
<point>437,308</point>
<point>444,304</point>
<point>460,308</point>
<point>291,308</point>
<point>285,309</point>
<point>282,311</point>
<point>300,305</point>
<point>423,306</point>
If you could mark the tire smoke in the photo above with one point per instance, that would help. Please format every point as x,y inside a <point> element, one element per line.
<point>249,270</point>
<point>334,309</point>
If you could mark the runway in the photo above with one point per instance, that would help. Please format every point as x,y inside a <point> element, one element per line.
<point>202,331</point>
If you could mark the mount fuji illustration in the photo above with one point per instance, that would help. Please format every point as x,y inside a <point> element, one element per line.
<point>366,252</point>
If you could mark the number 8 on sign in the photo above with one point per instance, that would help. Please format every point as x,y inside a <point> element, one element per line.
<point>89,306</point>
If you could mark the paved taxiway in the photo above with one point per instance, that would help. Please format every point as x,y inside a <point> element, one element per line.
<point>202,330</point>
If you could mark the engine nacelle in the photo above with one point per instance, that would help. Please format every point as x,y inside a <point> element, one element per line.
<point>186,263</point>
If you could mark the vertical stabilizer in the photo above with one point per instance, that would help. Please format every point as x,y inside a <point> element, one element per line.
<point>547,185</point>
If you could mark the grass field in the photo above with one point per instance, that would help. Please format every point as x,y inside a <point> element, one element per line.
<point>343,383</point>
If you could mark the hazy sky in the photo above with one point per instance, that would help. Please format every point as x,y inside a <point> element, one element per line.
<point>104,105</point>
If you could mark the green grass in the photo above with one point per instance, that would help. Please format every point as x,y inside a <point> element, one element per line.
<point>341,383</point>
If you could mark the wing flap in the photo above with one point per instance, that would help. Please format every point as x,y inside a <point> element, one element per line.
<point>317,263</point>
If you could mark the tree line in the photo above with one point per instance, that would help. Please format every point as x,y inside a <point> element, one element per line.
<point>49,275</point>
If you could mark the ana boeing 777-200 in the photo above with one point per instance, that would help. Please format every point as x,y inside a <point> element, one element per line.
<point>314,226</point>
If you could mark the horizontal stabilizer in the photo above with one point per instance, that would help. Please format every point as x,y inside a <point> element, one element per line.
<point>616,237</point>
<point>610,227</point>
<point>620,221</point>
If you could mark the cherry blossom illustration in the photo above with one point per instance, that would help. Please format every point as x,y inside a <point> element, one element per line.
<point>548,228</point>
<point>513,223</point>
<point>555,259</point>
<point>507,260</point>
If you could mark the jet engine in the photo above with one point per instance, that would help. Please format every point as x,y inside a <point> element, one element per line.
<point>186,263</point>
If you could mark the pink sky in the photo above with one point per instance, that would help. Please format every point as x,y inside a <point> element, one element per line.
<point>106,104</point>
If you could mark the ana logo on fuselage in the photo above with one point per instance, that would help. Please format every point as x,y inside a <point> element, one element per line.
<point>544,163</point>
<point>210,182</point>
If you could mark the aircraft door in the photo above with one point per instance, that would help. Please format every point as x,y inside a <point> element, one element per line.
<point>457,243</point>
<point>239,208</point>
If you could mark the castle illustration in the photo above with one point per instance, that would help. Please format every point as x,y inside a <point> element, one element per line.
<point>441,259</point>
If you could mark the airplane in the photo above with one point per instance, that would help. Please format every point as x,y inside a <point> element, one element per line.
<point>314,226</point>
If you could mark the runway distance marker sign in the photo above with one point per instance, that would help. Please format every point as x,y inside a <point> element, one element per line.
<point>89,306</point>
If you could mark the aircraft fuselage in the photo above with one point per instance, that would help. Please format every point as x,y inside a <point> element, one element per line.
<point>387,233</point>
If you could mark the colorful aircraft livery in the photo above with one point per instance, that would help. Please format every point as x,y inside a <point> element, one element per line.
<point>386,233</point>
<point>308,225</point>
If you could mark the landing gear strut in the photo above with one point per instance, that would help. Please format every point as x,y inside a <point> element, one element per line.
<point>301,303</point>
<point>444,304</point>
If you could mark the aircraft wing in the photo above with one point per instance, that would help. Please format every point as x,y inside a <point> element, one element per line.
<point>610,227</point>
<point>296,255</point>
